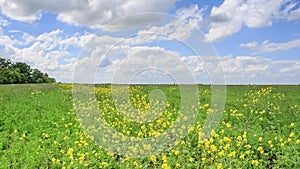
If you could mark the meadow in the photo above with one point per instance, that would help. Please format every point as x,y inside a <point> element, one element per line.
<point>259,128</point>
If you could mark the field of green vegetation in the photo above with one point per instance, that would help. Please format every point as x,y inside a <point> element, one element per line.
<point>260,126</point>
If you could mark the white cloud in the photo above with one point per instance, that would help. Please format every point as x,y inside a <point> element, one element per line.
<point>193,15</point>
<point>291,70</point>
<point>98,13</point>
<point>24,11</point>
<point>42,52</point>
<point>248,69</point>
<point>4,22</point>
<point>27,38</point>
<point>61,64</point>
<point>149,64</point>
<point>294,15</point>
<point>228,18</point>
<point>271,47</point>
<point>50,51</point>
<point>177,28</point>
<point>250,45</point>
<point>92,13</point>
<point>267,46</point>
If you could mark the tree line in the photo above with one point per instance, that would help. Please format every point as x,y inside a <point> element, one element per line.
<point>19,72</point>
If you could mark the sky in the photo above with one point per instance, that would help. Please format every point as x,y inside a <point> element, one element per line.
<point>170,41</point>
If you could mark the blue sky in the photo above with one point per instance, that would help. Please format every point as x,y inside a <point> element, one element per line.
<point>231,42</point>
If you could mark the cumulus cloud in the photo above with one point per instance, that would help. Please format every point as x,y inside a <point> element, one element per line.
<point>228,18</point>
<point>43,52</point>
<point>101,66</point>
<point>291,70</point>
<point>92,13</point>
<point>294,15</point>
<point>179,27</point>
<point>223,21</point>
<point>250,45</point>
<point>103,54</point>
<point>267,46</point>
<point>249,69</point>
<point>143,62</point>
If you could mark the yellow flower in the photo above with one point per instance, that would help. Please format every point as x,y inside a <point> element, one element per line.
<point>191,129</point>
<point>219,165</point>
<point>214,134</point>
<point>22,137</point>
<point>153,158</point>
<point>292,125</point>
<point>248,146</point>
<point>292,134</point>
<point>164,158</point>
<point>104,164</point>
<point>110,154</point>
<point>70,151</point>
<point>221,153</point>
<point>165,166</point>
<point>255,162</point>
<point>177,165</point>
<point>227,146</point>
<point>245,134</point>
<point>260,149</point>
<point>191,159</point>
<point>135,163</point>
<point>175,152</point>
<point>232,154</point>
<point>260,139</point>
<point>242,156</point>
<point>227,139</point>
<point>239,138</point>
<point>298,141</point>
<point>57,161</point>
<point>228,125</point>
<point>213,148</point>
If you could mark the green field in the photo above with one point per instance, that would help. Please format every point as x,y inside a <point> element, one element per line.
<point>260,126</point>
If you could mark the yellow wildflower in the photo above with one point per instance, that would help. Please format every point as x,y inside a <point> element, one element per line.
<point>153,158</point>
<point>255,162</point>
<point>232,154</point>
<point>292,134</point>
<point>228,125</point>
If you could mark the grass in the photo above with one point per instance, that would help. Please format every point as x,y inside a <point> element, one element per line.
<point>39,128</point>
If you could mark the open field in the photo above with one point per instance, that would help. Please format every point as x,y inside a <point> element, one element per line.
<point>260,126</point>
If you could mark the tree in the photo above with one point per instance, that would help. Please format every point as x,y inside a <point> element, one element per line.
<point>20,72</point>
<point>24,70</point>
<point>37,76</point>
<point>4,63</point>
